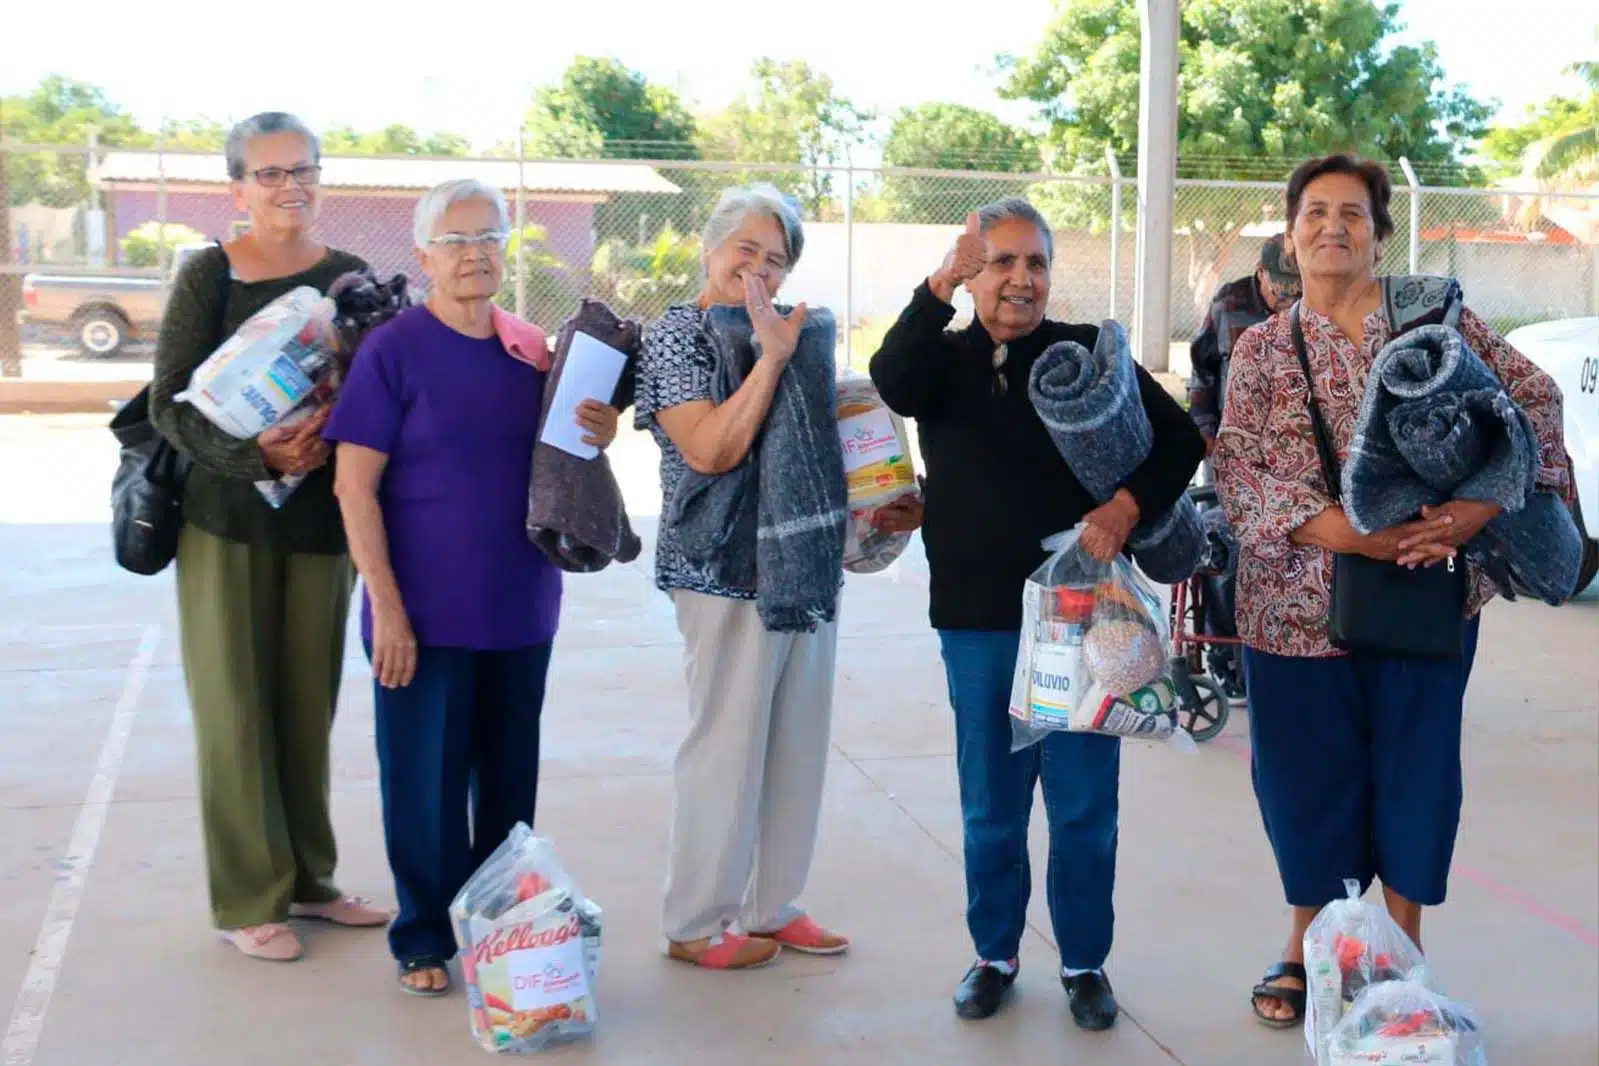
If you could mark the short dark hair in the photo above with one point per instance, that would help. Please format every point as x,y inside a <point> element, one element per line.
<point>1379,186</point>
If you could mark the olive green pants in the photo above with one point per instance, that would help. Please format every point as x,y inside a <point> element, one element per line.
<point>263,652</point>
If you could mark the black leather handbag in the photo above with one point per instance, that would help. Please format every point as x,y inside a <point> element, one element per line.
<point>147,488</point>
<point>1378,606</point>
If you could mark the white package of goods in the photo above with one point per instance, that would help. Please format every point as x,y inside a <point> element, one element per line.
<point>879,470</point>
<point>1094,652</point>
<point>1352,945</point>
<point>1406,1023</point>
<point>530,948</point>
<point>268,367</point>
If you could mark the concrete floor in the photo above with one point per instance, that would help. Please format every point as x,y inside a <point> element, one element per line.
<point>106,954</point>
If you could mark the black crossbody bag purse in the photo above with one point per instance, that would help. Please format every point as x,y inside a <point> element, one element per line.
<point>1379,606</point>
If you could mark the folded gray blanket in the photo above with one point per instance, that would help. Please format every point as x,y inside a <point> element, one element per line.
<point>1435,425</point>
<point>575,512</point>
<point>789,492</point>
<point>1089,402</point>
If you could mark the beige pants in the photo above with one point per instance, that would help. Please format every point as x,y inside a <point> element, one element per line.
<point>748,777</point>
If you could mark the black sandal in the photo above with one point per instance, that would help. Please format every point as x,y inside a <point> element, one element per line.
<point>418,965</point>
<point>1294,998</point>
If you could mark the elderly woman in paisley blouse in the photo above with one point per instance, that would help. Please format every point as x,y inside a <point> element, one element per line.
<point>1356,755</point>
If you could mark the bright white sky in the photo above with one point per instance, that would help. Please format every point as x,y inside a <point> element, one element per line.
<point>471,66</point>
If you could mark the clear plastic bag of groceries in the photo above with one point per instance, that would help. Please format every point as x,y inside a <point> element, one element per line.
<point>270,372</point>
<point>1406,1023</point>
<point>530,948</point>
<point>878,468</point>
<point>1352,945</point>
<point>1093,655</point>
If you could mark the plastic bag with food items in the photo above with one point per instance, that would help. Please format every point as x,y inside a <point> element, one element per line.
<point>530,948</point>
<point>285,362</point>
<point>879,470</point>
<point>1093,655</point>
<point>1352,945</point>
<point>1406,1023</point>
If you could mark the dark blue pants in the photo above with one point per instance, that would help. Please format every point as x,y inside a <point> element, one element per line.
<point>1356,766</point>
<point>1080,775</point>
<point>464,732</point>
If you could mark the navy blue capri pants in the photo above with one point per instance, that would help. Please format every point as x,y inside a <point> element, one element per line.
<point>1356,766</point>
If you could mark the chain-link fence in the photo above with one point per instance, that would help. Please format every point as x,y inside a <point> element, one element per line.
<point>93,236</point>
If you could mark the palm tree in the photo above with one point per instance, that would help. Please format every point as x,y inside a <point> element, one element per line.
<point>1571,156</point>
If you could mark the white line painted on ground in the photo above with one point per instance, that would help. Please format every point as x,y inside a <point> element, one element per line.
<point>39,984</point>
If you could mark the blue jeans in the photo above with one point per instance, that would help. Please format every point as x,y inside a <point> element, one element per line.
<point>1080,774</point>
<point>1356,767</point>
<point>465,730</point>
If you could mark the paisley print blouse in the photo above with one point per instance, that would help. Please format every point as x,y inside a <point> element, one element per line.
<point>1270,478</point>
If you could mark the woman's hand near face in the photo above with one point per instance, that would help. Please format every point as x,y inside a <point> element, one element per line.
<point>598,421</point>
<point>778,336</point>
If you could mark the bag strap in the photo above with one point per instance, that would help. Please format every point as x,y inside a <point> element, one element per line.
<point>1318,425</point>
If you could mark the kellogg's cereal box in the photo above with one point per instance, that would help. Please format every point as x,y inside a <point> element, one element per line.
<point>530,946</point>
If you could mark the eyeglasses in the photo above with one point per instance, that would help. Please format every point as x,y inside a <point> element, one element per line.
<point>493,241</point>
<point>277,177</point>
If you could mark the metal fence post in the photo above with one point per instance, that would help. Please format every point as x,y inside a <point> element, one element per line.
<point>849,260</point>
<point>1115,226</point>
<point>161,199</point>
<point>521,230</point>
<point>1415,214</point>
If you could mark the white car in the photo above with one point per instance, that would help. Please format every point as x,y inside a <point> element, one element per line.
<point>1567,350</point>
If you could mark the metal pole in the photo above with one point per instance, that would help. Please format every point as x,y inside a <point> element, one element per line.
<point>161,198</point>
<point>1157,180</point>
<point>849,260</point>
<point>521,230</point>
<point>1115,227</point>
<point>1415,214</point>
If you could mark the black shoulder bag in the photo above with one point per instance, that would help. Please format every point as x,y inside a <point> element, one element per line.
<point>147,488</point>
<point>1379,606</point>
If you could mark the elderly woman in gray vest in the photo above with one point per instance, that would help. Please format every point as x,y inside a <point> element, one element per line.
<point>749,775</point>
<point>262,593</point>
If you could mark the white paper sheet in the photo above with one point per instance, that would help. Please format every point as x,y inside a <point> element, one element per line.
<point>591,372</point>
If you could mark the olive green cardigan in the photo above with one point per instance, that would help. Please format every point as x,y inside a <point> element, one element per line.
<point>220,497</point>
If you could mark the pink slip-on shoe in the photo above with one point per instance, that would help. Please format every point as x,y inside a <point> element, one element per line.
<point>272,942</point>
<point>729,951</point>
<point>354,911</point>
<point>804,935</point>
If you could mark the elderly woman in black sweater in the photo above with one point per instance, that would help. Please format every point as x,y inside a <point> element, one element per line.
<point>996,487</point>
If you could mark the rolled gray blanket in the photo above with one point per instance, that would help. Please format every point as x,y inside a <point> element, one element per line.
<point>1428,371</point>
<point>1089,402</point>
<point>775,522</point>
<point>1436,425</point>
<point>575,512</point>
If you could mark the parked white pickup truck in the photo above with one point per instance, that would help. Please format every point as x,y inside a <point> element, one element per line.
<point>1568,350</point>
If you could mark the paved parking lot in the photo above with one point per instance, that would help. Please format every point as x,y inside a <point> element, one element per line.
<point>106,955</point>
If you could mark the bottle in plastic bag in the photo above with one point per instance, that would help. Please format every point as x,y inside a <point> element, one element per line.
<point>1406,1023</point>
<point>1093,655</point>
<point>530,948</point>
<point>1350,946</point>
<point>878,468</point>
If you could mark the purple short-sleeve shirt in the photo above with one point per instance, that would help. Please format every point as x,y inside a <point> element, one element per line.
<point>457,418</point>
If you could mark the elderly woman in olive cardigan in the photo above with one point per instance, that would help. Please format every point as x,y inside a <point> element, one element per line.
<point>263,594</point>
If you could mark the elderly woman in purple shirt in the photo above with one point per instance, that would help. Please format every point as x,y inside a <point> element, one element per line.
<point>435,429</point>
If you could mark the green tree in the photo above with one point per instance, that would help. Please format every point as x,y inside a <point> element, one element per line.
<point>599,108</point>
<point>1272,80</point>
<point>1264,84</point>
<point>642,281</point>
<point>952,137</point>
<point>549,289</point>
<point>789,114</point>
<point>60,111</point>
<point>396,139</point>
<point>142,246</point>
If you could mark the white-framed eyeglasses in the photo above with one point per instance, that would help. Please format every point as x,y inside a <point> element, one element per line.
<point>459,242</point>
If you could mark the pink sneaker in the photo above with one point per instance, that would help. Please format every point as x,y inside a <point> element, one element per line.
<point>272,942</point>
<point>804,935</point>
<point>729,951</point>
<point>354,911</point>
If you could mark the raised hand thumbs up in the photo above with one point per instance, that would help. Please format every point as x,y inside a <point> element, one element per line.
<point>969,256</point>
